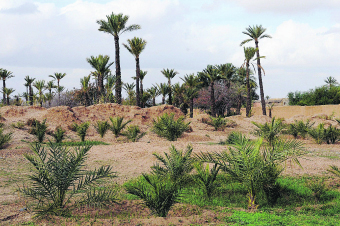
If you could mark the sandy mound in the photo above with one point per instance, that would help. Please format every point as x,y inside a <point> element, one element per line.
<point>316,119</point>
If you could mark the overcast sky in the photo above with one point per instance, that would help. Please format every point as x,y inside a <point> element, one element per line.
<point>40,37</point>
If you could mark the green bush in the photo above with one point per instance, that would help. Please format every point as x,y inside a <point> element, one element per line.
<point>133,133</point>
<point>303,128</point>
<point>206,178</point>
<point>4,137</point>
<point>58,134</point>
<point>102,127</point>
<point>166,126</point>
<point>318,188</point>
<point>331,135</point>
<point>38,129</point>
<point>118,125</point>
<point>58,178</point>
<point>233,137</point>
<point>269,131</point>
<point>219,123</point>
<point>18,125</point>
<point>82,129</point>
<point>318,133</point>
<point>158,193</point>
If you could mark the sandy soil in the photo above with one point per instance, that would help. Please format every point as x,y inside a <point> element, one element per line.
<point>132,159</point>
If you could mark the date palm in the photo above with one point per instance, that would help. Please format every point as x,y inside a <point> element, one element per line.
<point>256,33</point>
<point>227,71</point>
<point>84,82</point>
<point>110,84</point>
<point>7,92</point>
<point>191,82</point>
<point>116,25</point>
<point>40,86</point>
<point>58,76</point>
<point>50,85</point>
<point>142,75</point>
<point>135,46</point>
<point>164,90</point>
<point>249,53</point>
<point>169,74</point>
<point>102,66</point>
<point>211,73</point>
<point>5,74</point>
<point>331,81</point>
<point>154,92</point>
<point>29,82</point>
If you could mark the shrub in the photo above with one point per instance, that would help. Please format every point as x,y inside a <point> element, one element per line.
<point>166,126</point>
<point>58,134</point>
<point>38,129</point>
<point>31,122</point>
<point>207,179</point>
<point>318,188</point>
<point>331,135</point>
<point>118,125</point>
<point>133,133</point>
<point>18,125</point>
<point>293,130</point>
<point>102,127</point>
<point>158,193</point>
<point>318,133</point>
<point>303,128</point>
<point>177,165</point>
<point>233,137</point>
<point>59,177</point>
<point>219,123</point>
<point>4,137</point>
<point>269,131</point>
<point>82,129</point>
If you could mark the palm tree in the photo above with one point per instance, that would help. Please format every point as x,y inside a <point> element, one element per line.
<point>5,74</point>
<point>116,25</point>
<point>212,74</point>
<point>249,53</point>
<point>7,92</point>
<point>164,90</point>
<point>191,82</point>
<point>154,92</point>
<point>227,72</point>
<point>129,88</point>
<point>50,85</point>
<point>84,82</point>
<point>29,82</point>
<point>256,33</point>
<point>58,77</point>
<point>142,75</point>
<point>110,84</point>
<point>40,85</point>
<point>169,74</point>
<point>240,94</point>
<point>135,47</point>
<point>330,81</point>
<point>102,66</point>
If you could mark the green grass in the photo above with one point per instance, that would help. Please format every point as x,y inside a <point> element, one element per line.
<point>76,143</point>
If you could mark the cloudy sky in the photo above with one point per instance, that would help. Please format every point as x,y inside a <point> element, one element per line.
<point>40,37</point>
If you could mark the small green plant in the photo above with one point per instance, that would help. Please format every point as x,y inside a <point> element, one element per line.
<point>219,123</point>
<point>166,126</point>
<point>177,165</point>
<point>269,131</point>
<point>158,193</point>
<point>233,136</point>
<point>133,133</point>
<point>58,134</point>
<point>318,187</point>
<point>82,129</point>
<point>4,137</point>
<point>18,125</point>
<point>102,127</point>
<point>207,178</point>
<point>318,133</point>
<point>38,129</point>
<point>59,177</point>
<point>331,135</point>
<point>293,130</point>
<point>303,128</point>
<point>118,125</point>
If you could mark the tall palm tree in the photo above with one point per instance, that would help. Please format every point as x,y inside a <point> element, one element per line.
<point>7,92</point>
<point>227,71</point>
<point>331,81</point>
<point>116,25</point>
<point>169,74</point>
<point>191,82</point>
<point>58,76</point>
<point>29,82</point>
<point>154,92</point>
<point>40,86</point>
<point>142,75</point>
<point>249,53</point>
<point>164,90</point>
<point>211,73</point>
<point>135,47</point>
<point>5,74</point>
<point>110,84</point>
<point>102,66</point>
<point>50,85</point>
<point>84,82</point>
<point>256,33</point>
<point>129,88</point>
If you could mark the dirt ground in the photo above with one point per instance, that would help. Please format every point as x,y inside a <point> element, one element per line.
<point>129,159</point>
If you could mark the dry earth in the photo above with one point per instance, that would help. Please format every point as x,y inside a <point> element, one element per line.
<point>132,159</point>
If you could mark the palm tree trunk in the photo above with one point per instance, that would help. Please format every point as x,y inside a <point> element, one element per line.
<point>192,108</point>
<point>154,101</point>
<point>141,91</point>
<point>239,105</point>
<point>31,95</point>
<point>163,99</point>
<point>170,92</point>
<point>3,90</point>
<point>58,93</point>
<point>260,78</point>
<point>8,100</point>
<point>137,82</point>
<point>118,75</point>
<point>100,85</point>
<point>248,107</point>
<point>212,99</point>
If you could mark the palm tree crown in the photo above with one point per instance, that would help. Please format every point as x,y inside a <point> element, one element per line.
<point>116,25</point>
<point>5,74</point>
<point>169,74</point>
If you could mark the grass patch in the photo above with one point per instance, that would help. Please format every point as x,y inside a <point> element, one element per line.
<point>82,143</point>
